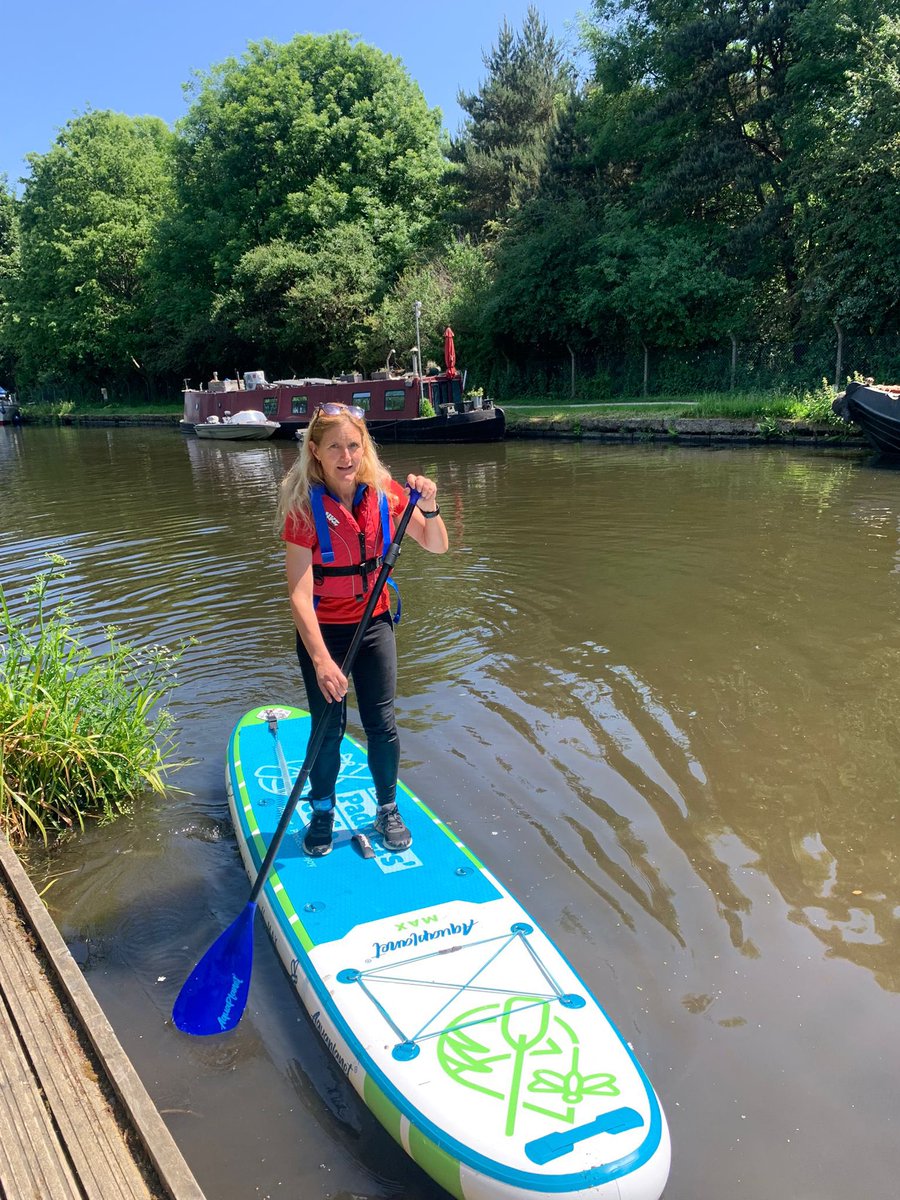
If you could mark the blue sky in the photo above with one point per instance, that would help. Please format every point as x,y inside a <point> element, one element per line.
<point>61,57</point>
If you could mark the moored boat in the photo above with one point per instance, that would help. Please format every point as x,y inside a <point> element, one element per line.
<point>249,425</point>
<point>875,408</point>
<point>393,402</point>
<point>9,409</point>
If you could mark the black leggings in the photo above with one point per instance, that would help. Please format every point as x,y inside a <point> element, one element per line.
<point>374,677</point>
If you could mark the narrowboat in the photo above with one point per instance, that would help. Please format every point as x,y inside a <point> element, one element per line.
<point>393,401</point>
<point>875,408</point>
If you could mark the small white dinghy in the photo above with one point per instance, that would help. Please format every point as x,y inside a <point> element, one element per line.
<point>249,425</point>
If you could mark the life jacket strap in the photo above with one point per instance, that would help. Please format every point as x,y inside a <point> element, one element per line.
<point>320,520</point>
<point>321,573</point>
<point>393,585</point>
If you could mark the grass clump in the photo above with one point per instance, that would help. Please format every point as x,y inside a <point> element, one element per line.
<point>816,406</point>
<point>811,406</point>
<point>736,406</point>
<point>81,733</point>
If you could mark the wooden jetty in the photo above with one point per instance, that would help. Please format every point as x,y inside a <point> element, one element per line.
<point>76,1123</point>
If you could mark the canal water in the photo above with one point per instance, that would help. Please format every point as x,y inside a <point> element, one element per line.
<point>655,689</point>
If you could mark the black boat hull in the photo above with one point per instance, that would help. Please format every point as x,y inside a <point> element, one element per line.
<point>477,425</point>
<point>876,412</point>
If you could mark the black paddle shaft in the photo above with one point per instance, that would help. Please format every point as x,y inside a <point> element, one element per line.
<point>318,734</point>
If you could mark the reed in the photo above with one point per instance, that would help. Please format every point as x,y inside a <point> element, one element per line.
<point>82,732</point>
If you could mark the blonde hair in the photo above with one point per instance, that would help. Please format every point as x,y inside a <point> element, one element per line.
<point>293,497</point>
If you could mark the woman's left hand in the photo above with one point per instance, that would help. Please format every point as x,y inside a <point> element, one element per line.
<point>431,534</point>
<point>427,490</point>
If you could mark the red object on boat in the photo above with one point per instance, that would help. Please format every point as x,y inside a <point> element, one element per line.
<point>449,352</point>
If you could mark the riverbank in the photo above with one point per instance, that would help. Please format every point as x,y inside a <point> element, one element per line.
<point>704,431</point>
<point>577,425</point>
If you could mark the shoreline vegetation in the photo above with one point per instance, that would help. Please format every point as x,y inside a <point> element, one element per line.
<point>801,418</point>
<point>745,417</point>
<point>84,730</point>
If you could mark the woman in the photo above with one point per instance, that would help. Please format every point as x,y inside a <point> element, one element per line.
<point>339,507</point>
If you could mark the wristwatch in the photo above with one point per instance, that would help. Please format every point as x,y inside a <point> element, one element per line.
<point>435,512</point>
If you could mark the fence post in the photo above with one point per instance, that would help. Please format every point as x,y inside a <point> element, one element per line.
<point>733,358</point>
<point>572,376</point>
<point>646,366</point>
<point>838,366</point>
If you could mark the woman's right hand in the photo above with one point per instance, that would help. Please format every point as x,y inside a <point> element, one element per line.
<point>332,680</point>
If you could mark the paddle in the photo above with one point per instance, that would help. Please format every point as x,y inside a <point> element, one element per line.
<point>213,997</point>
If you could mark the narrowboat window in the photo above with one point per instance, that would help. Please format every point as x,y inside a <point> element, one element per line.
<point>363,399</point>
<point>395,400</point>
<point>270,405</point>
<point>298,406</point>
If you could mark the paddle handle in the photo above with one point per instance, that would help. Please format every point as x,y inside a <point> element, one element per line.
<point>318,734</point>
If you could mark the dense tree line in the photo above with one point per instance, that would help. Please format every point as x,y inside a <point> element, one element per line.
<point>721,173</point>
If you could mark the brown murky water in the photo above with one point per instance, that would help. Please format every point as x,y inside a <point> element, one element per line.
<point>655,689</point>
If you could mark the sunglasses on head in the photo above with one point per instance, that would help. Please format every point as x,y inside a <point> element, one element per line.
<point>332,409</point>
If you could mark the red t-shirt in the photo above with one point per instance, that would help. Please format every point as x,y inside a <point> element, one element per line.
<point>343,610</point>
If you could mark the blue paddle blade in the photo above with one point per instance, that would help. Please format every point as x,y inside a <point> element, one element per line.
<point>214,995</point>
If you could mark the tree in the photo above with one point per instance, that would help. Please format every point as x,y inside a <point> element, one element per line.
<point>660,287</point>
<point>307,303</point>
<point>534,301</point>
<point>9,269</point>
<point>723,105</point>
<point>286,156</point>
<point>88,216</point>
<point>850,217</point>
<point>450,285</point>
<point>504,146</point>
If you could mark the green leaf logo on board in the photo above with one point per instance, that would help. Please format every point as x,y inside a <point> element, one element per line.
<point>520,1055</point>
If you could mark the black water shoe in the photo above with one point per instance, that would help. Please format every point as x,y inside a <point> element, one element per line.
<point>317,839</point>
<point>392,828</point>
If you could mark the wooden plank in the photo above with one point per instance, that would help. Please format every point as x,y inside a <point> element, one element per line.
<point>87,1126</point>
<point>174,1174</point>
<point>33,1164</point>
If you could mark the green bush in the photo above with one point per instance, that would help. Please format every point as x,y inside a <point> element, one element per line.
<point>769,428</point>
<point>81,734</point>
<point>816,406</point>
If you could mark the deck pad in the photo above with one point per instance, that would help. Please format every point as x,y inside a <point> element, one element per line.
<point>453,1015</point>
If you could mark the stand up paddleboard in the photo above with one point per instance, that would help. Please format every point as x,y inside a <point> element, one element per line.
<point>452,1014</point>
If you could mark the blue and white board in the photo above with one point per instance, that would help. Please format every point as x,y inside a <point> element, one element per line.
<point>452,1014</point>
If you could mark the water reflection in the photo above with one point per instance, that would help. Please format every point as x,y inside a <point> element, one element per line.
<point>655,689</point>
